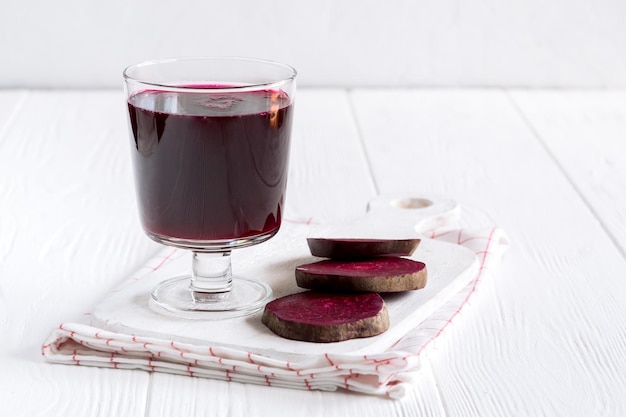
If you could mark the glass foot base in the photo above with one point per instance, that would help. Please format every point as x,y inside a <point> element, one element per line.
<point>176,298</point>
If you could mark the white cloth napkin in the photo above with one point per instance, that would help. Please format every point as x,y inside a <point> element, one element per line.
<point>387,373</point>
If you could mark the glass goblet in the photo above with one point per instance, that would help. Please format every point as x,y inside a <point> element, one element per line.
<point>210,144</point>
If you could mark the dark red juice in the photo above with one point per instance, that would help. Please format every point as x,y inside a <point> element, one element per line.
<point>211,165</point>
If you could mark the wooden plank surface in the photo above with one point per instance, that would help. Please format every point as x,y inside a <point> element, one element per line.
<point>584,133</point>
<point>546,338</point>
<point>68,233</point>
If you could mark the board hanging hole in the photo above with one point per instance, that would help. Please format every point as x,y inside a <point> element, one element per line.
<point>411,203</point>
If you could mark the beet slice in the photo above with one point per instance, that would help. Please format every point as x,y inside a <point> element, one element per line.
<point>322,317</point>
<point>361,248</point>
<point>380,274</point>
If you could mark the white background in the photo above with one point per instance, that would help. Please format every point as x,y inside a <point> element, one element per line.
<point>398,43</point>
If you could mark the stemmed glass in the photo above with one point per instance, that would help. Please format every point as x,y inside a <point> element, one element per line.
<point>210,144</point>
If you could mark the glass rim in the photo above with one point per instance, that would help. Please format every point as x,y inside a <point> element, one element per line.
<point>178,87</point>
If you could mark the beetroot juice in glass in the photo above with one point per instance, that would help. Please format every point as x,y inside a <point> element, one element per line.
<point>210,145</point>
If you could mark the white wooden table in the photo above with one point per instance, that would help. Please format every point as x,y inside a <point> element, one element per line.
<point>546,337</point>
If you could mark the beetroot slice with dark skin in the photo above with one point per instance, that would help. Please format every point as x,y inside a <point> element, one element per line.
<point>361,248</point>
<point>322,317</point>
<point>381,274</point>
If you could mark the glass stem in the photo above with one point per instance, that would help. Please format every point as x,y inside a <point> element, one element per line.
<point>211,273</point>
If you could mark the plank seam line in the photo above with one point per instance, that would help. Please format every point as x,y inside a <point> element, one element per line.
<point>16,109</point>
<point>538,137</point>
<point>357,125</point>
<point>442,401</point>
<point>147,407</point>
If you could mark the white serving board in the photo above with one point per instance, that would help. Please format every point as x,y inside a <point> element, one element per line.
<point>450,268</point>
